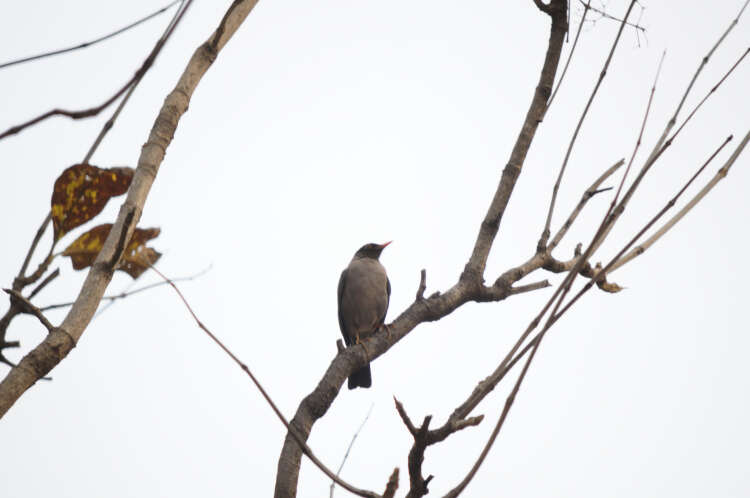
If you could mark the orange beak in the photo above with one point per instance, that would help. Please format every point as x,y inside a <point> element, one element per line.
<point>383,246</point>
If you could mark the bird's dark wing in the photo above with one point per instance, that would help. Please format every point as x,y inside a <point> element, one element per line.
<point>344,332</point>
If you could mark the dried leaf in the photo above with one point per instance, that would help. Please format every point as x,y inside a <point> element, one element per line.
<point>82,191</point>
<point>136,259</point>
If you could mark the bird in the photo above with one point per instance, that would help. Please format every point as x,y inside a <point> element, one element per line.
<point>364,292</point>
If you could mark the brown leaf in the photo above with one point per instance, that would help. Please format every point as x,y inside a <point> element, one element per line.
<point>82,191</point>
<point>136,259</point>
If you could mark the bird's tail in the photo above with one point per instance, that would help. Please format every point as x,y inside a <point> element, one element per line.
<point>361,378</point>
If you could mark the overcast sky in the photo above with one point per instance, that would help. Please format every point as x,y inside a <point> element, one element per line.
<point>325,125</point>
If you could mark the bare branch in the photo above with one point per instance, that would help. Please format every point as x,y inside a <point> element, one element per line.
<point>617,212</point>
<point>92,42</point>
<point>520,289</point>
<point>637,251</point>
<point>506,408</point>
<point>587,195</point>
<point>602,272</point>
<point>643,126</point>
<point>422,284</point>
<point>124,294</point>
<point>45,282</point>
<point>474,270</point>
<point>613,18</point>
<point>111,121</point>
<point>87,113</point>
<point>546,232</point>
<point>392,486</point>
<point>60,342</point>
<point>30,308</point>
<point>349,448</point>
<point>570,55</point>
<point>542,6</point>
<point>19,281</point>
<point>306,449</point>
<point>404,417</point>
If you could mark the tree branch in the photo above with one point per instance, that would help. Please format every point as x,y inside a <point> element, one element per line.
<point>30,308</point>
<point>92,42</point>
<point>546,232</point>
<point>640,249</point>
<point>61,341</point>
<point>469,286</point>
<point>87,113</point>
<point>474,270</point>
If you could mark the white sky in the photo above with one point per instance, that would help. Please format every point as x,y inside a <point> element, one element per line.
<point>325,125</point>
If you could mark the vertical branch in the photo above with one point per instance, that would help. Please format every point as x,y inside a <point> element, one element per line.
<point>474,270</point>
<point>546,233</point>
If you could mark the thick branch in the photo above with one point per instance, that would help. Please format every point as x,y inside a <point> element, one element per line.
<point>474,270</point>
<point>469,287</point>
<point>60,342</point>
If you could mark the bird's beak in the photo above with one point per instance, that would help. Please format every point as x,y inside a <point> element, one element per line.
<point>383,246</point>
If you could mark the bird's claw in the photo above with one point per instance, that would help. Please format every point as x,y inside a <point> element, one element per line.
<point>362,343</point>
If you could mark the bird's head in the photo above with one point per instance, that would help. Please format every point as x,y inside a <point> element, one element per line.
<point>371,250</point>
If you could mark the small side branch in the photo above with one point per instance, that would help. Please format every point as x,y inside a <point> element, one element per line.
<point>30,308</point>
<point>424,437</point>
<point>587,195</point>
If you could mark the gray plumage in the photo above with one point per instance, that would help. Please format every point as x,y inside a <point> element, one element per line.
<point>363,295</point>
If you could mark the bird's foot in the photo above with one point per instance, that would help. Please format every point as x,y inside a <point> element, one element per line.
<point>362,343</point>
<point>387,331</point>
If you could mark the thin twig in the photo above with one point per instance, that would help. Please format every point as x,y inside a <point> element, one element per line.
<point>643,124</point>
<point>126,293</point>
<point>617,212</point>
<point>93,111</point>
<point>503,415</point>
<point>305,448</point>
<point>111,121</point>
<point>637,251</point>
<point>587,195</point>
<point>30,253</point>
<point>609,16</point>
<point>30,308</point>
<point>607,268</point>
<point>546,232</point>
<point>45,282</point>
<point>92,42</point>
<point>349,448</point>
<point>570,55</point>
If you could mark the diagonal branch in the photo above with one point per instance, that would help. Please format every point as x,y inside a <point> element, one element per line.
<point>62,340</point>
<point>640,249</point>
<point>93,111</point>
<point>474,270</point>
<point>92,42</point>
<point>546,232</point>
<point>30,308</point>
<point>305,448</point>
